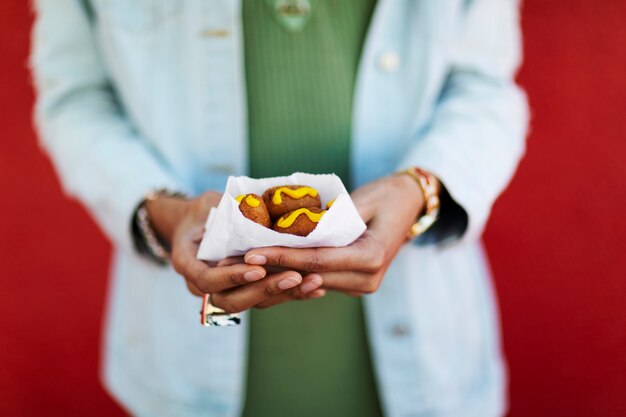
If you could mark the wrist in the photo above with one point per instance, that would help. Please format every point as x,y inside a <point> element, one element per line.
<point>411,194</point>
<point>154,221</point>
<point>166,213</point>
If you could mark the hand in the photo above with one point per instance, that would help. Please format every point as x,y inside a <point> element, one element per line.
<point>389,206</point>
<point>235,286</point>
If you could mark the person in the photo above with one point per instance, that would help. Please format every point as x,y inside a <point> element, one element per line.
<point>141,101</point>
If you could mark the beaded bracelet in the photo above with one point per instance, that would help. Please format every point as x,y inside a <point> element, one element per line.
<point>147,241</point>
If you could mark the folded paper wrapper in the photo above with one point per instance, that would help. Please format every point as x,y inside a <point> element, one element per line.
<point>229,233</point>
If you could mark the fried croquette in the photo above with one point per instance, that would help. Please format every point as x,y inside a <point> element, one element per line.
<point>253,207</point>
<point>299,222</point>
<point>283,199</point>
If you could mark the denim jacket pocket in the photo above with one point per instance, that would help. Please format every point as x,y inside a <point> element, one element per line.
<point>135,15</point>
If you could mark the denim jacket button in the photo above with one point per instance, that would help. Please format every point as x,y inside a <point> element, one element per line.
<point>400,329</point>
<point>389,62</point>
<point>215,33</point>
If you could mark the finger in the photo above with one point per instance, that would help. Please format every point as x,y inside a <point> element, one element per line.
<point>354,293</point>
<point>310,284</point>
<point>233,260</point>
<point>363,255</point>
<point>282,298</point>
<point>363,201</point>
<point>193,289</point>
<point>247,296</point>
<point>352,283</point>
<point>319,293</point>
<point>279,300</point>
<point>214,279</point>
<point>209,279</point>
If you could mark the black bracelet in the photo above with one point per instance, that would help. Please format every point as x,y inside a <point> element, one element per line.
<point>146,240</point>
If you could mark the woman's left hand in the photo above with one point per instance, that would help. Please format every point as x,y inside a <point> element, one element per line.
<point>389,206</point>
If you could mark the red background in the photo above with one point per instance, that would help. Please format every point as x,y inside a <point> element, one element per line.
<point>556,238</point>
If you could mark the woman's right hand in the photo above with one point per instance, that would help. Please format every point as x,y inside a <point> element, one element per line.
<point>235,286</point>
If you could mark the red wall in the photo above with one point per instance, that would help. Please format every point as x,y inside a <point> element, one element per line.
<point>556,238</point>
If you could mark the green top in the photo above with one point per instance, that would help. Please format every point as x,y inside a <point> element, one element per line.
<point>306,358</point>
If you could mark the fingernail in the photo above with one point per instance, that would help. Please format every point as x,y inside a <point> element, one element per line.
<point>312,284</point>
<point>287,283</point>
<point>252,275</point>
<point>318,294</point>
<point>255,259</point>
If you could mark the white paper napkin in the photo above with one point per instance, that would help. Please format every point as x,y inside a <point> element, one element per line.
<point>229,233</point>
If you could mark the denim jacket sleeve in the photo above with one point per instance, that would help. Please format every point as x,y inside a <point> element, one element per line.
<point>477,134</point>
<point>101,160</point>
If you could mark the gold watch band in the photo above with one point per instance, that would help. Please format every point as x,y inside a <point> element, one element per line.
<point>427,183</point>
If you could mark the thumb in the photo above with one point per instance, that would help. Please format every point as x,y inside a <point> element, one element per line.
<point>364,205</point>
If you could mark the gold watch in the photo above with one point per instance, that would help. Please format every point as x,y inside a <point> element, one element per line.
<point>427,183</point>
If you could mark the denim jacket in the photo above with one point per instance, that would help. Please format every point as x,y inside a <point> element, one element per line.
<point>134,95</point>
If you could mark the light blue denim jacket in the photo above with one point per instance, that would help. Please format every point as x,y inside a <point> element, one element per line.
<point>134,95</point>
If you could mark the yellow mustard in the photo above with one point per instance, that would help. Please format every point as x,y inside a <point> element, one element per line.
<point>277,198</point>
<point>251,201</point>
<point>288,221</point>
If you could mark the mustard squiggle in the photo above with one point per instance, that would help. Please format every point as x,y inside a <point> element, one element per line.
<point>251,201</point>
<point>288,221</point>
<point>277,198</point>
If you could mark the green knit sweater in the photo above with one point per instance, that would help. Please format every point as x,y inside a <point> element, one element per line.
<point>306,358</point>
